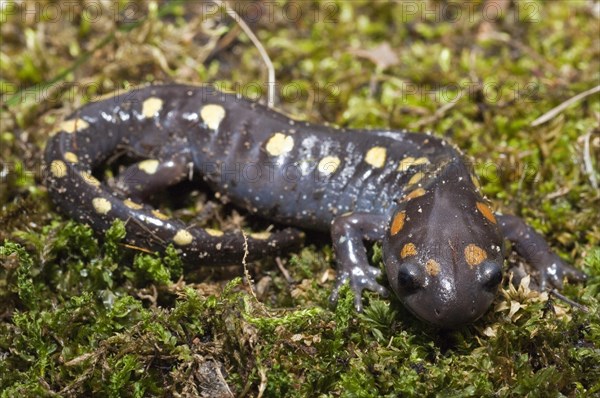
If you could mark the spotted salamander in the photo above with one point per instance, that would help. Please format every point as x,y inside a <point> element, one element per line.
<point>442,244</point>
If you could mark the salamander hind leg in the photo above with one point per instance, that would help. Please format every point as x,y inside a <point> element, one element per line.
<point>533,248</point>
<point>197,245</point>
<point>149,176</point>
<point>348,233</point>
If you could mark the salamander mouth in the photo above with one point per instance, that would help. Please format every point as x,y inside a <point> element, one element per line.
<point>446,315</point>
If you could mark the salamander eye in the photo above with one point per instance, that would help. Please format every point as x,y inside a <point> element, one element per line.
<point>410,278</point>
<point>490,276</point>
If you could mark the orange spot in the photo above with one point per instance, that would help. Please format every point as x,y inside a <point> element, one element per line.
<point>474,255</point>
<point>409,249</point>
<point>414,194</point>
<point>432,267</point>
<point>486,211</point>
<point>398,222</point>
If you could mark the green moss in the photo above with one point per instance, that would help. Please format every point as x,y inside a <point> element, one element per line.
<point>87,315</point>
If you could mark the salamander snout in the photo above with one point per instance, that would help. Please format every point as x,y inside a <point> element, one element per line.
<point>447,299</point>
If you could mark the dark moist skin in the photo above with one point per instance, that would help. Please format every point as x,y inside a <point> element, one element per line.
<point>442,245</point>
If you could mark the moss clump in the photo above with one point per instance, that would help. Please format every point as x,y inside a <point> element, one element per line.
<point>86,315</point>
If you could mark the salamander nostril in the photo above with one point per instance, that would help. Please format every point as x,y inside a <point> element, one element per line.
<point>437,312</point>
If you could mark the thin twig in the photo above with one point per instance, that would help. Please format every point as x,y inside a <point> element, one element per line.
<point>587,161</point>
<point>217,370</point>
<point>263,381</point>
<point>284,271</point>
<point>263,53</point>
<point>438,114</point>
<point>552,113</point>
<point>567,300</point>
<point>245,264</point>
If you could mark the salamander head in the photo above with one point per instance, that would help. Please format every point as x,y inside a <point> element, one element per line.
<point>443,254</point>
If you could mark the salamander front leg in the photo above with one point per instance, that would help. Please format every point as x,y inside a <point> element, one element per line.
<point>533,248</point>
<point>348,233</point>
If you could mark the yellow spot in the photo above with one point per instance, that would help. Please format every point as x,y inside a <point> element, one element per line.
<point>279,144</point>
<point>148,166</point>
<point>89,179</point>
<point>132,205</point>
<point>72,126</point>
<point>414,194</point>
<point>212,115</point>
<point>408,162</point>
<point>260,235</point>
<point>486,211</point>
<point>416,178</point>
<point>329,164</point>
<point>432,267</point>
<point>474,255</point>
<point>71,157</point>
<point>159,215</point>
<point>398,222</point>
<point>101,205</point>
<point>183,238</point>
<point>213,232</point>
<point>58,168</point>
<point>151,107</point>
<point>409,249</point>
<point>376,156</point>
